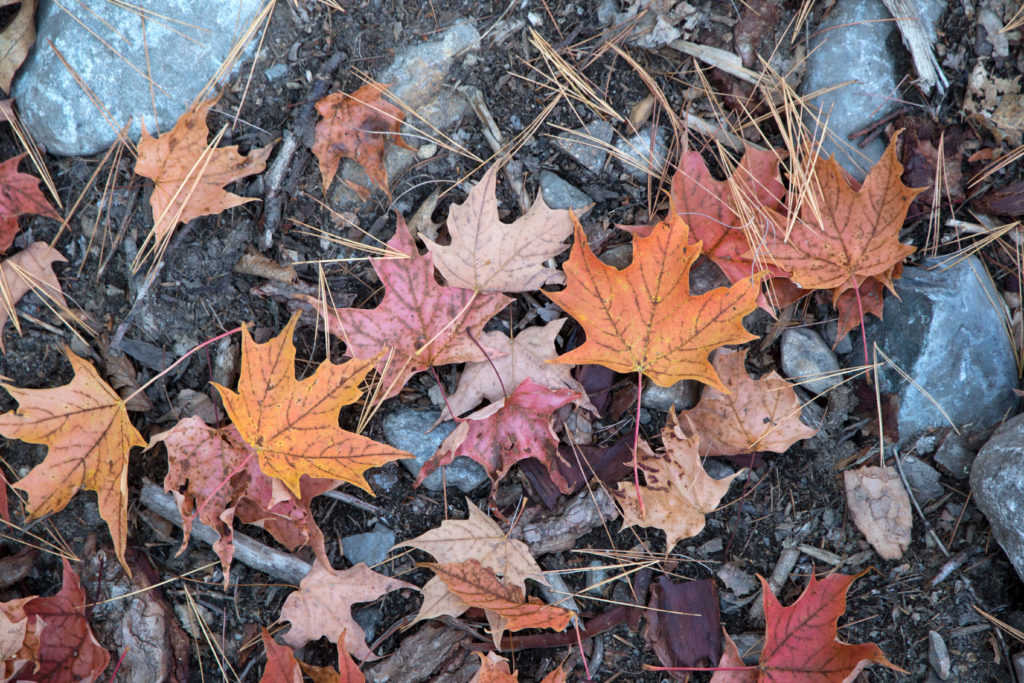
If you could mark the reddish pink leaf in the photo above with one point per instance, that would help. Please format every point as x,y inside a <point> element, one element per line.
<point>282,666</point>
<point>19,195</point>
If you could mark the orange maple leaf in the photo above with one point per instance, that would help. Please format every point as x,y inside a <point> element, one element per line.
<point>86,427</point>
<point>755,415</point>
<point>493,669</point>
<point>293,424</point>
<point>189,176</point>
<point>801,641</point>
<point>19,195</point>
<point>643,318</point>
<point>356,125</point>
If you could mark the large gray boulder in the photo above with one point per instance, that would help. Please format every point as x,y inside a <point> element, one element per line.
<point>186,42</point>
<point>997,482</point>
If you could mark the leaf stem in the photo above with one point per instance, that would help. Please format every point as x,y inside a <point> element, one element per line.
<point>636,443</point>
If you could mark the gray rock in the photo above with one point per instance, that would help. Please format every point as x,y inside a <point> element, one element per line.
<point>584,144</point>
<point>406,429</point>
<point>997,483</point>
<point>808,360</point>
<point>384,478</point>
<point>59,113</point>
<point>683,395</point>
<point>276,72</point>
<point>371,547</point>
<point>606,12</point>
<point>955,455</point>
<point>923,479</point>
<point>643,154</point>
<point>854,43</point>
<point>843,346</point>
<point>938,655</point>
<point>945,332</point>
<point>559,194</point>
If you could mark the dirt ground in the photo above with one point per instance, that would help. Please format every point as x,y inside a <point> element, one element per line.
<point>791,499</point>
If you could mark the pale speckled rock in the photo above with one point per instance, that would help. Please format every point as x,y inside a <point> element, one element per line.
<point>643,154</point>
<point>997,485</point>
<point>371,547</point>
<point>584,144</point>
<point>560,194</point>
<point>808,361</point>
<point>406,428</point>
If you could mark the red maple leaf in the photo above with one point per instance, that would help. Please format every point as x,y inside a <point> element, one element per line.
<point>19,195</point>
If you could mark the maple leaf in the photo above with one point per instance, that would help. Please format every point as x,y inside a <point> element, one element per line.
<point>189,176</point>
<point>16,40</point>
<point>880,507</point>
<point>755,415</point>
<point>853,304</point>
<point>356,125</point>
<point>501,434</point>
<point>844,235</point>
<point>19,637</point>
<point>282,666</point>
<point>88,433</point>
<point>19,195</point>
<point>643,318</point>
<point>293,424</point>
<point>504,606</point>
<point>68,650</point>
<point>493,669</point>
<point>524,356</point>
<point>801,641</point>
<point>480,538</point>
<point>425,323</point>
<point>486,255</point>
<point>678,493</point>
<point>31,269</point>
<point>323,605</point>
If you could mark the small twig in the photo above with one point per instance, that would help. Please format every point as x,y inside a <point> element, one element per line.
<point>355,502</point>
<point>495,139</point>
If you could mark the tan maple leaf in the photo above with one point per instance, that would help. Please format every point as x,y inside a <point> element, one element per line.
<point>189,175</point>
<point>678,493</point>
<point>86,427</point>
<point>486,255</point>
<point>31,269</point>
<point>880,507</point>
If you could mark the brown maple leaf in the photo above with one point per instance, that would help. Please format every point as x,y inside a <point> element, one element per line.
<point>357,125</point>
<point>755,415</point>
<point>16,40</point>
<point>323,606</point>
<point>425,323</point>
<point>678,493</point>
<point>189,176</point>
<point>643,318</point>
<point>31,269</point>
<point>86,427</point>
<point>486,255</point>
<point>19,637</point>
<point>19,196</point>
<point>293,424</point>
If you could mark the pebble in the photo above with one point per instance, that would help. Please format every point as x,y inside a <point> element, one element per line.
<point>371,547</point>
<point>58,112</point>
<point>923,479</point>
<point>945,333</point>
<point>938,655</point>
<point>808,361</point>
<point>559,194</point>
<point>276,72</point>
<point>639,157</point>
<point>997,485</point>
<point>683,395</point>
<point>406,428</point>
<point>584,150</point>
<point>955,455</point>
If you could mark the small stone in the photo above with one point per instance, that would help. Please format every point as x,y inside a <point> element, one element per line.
<point>718,468</point>
<point>406,429</point>
<point>923,479</point>
<point>371,547</point>
<point>619,256</point>
<point>369,619</point>
<point>586,145</point>
<point>426,151</point>
<point>735,579</point>
<point>596,577</point>
<point>997,484</point>
<point>713,546</point>
<point>955,456</point>
<point>643,154</point>
<point>559,194</point>
<point>844,345</point>
<point>938,655</point>
<point>807,360</point>
<point>683,395</point>
<point>383,479</point>
<point>276,72</point>
<point>606,12</point>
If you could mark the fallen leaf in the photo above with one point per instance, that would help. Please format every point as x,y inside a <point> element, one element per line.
<point>88,433</point>
<point>189,176</point>
<point>31,269</point>
<point>68,650</point>
<point>480,538</point>
<point>282,666</point>
<point>505,606</point>
<point>642,318</point>
<point>425,323</point>
<point>493,669</point>
<point>683,624</point>
<point>293,424</point>
<point>556,676</point>
<point>323,606</point>
<point>880,507</point>
<point>678,493</point>
<point>16,40</point>
<point>438,601</point>
<point>19,193</point>
<point>486,255</point>
<point>755,415</point>
<point>731,667</point>
<point>356,125</point>
<point>19,637</point>
<point>501,434</point>
<point>853,304</point>
<point>524,356</point>
<point>347,672</point>
<point>801,641</point>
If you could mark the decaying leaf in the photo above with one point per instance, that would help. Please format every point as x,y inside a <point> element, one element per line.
<point>19,637</point>
<point>19,193</point>
<point>643,318</point>
<point>281,664</point>
<point>493,669</point>
<point>30,269</point>
<point>684,623</point>
<point>880,507</point>
<point>755,415</point>
<point>293,424</point>
<point>86,427</point>
<point>486,255</point>
<point>323,606</point>
<point>16,40</point>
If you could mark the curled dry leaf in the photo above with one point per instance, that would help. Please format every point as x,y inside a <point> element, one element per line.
<point>755,415</point>
<point>19,637</point>
<point>493,669</point>
<point>282,666</point>
<point>19,194</point>
<point>880,507</point>
<point>31,269</point>
<point>16,40</point>
<point>486,255</point>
